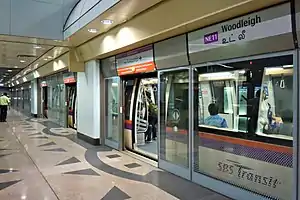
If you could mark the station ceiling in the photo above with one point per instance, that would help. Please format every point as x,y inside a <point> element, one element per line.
<point>89,39</point>
<point>17,53</point>
<point>22,24</point>
<point>40,51</point>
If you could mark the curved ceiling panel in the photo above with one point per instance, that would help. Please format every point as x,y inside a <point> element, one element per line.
<point>84,12</point>
<point>75,13</point>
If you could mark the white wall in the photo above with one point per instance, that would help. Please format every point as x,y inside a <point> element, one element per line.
<point>34,97</point>
<point>88,93</point>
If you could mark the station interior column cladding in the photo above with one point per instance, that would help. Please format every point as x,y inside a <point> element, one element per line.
<point>88,90</point>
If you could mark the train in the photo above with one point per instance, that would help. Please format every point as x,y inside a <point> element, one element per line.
<point>255,149</point>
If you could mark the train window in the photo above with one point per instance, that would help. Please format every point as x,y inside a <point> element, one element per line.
<point>275,116</point>
<point>245,124</point>
<point>248,97</point>
<point>217,98</point>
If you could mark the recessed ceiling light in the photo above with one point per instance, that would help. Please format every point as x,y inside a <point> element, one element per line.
<point>37,47</point>
<point>22,61</point>
<point>107,21</point>
<point>16,67</point>
<point>9,70</point>
<point>49,57</point>
<point>92,30</point>
<point>45,59</point>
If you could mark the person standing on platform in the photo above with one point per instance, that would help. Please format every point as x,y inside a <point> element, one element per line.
<point>4,102</point>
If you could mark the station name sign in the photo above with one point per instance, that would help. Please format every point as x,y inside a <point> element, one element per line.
<point>267,23</point>
<point>242,23</point>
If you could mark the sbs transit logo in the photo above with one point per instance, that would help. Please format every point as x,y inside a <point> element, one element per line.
<point>245,173</point>
<point>242,23</point>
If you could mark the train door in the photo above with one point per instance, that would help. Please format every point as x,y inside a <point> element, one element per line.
<point>140,131</point>
<point>71,105</point>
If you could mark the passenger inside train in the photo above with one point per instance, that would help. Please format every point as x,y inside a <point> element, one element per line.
<point>152,119</point>
<point>286,128</point>
<point>214,119</point>
<point>142,106</point>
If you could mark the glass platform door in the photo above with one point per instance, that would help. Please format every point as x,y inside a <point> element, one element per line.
<point>112,114</point>
<point>173,121</point>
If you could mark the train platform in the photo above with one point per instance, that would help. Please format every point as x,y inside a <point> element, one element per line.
<point>40,160</point>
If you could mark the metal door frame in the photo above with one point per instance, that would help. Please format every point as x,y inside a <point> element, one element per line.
<point>234,191</point>
<point>296,116</point>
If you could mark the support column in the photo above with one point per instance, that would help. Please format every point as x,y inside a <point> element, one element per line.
<point>88,94</point>
<point>34,98</point>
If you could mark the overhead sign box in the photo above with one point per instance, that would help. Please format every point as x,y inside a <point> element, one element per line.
<point>69,78</point>
<point>43,84</point>
<point>136,61</point>
<point>251,34</point>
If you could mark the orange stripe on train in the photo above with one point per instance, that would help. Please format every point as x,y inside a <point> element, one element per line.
<point>239,141</point>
